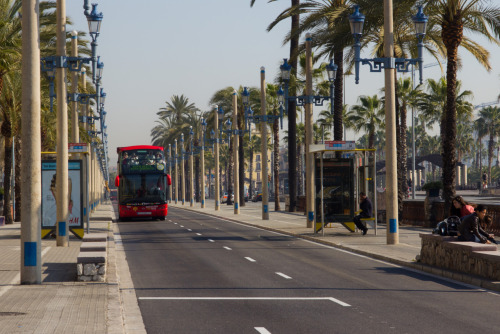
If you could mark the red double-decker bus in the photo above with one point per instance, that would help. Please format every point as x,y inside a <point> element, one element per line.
<point>142,182</point>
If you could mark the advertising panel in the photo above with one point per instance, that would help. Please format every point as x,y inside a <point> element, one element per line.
<point>75,198</point>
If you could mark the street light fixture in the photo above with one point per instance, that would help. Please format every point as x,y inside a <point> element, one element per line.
<point>377,64</point>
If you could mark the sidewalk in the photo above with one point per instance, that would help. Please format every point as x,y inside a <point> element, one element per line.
<point>59,304</point>
<point>371,245</point>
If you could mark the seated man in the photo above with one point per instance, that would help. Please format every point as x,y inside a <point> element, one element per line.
<point>470,229</point>
<point>366,212</point>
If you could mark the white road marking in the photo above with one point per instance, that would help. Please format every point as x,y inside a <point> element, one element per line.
<point>250,259</point>
<point>198,233</point>
<point>262,330</point>
<point>190,230</point>
<point>283,275</point>
<point>250,298</point>
<point>181,225</point>
<point>227,248</point>
<point>211,240</point>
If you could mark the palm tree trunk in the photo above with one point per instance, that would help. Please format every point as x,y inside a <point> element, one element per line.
<point>490,155</point>
<point>276,167</point>
<point>229,173</point>
<point>250,188</point>
<point>292,115</point>
<point>450,127</point>
<point>6,181</point>
<point>338,59</point>
<point>17,179</point>
<point>241,171</point>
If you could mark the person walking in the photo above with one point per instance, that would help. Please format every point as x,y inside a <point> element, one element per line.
<point>366,212</point>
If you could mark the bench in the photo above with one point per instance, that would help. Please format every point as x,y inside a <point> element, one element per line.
<point>91,261</point>
<point>461,256</point>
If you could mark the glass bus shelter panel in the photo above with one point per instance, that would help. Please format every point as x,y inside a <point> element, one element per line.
<point>338,190</point>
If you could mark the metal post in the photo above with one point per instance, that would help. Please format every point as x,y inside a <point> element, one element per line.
<point>390,123</point>
<point>202,163</point>
<point>191,174</point>
<point>236,139</point>
<point>216,149</point>
<point>31,188</point>
<point>265,192</point>
<point>62,235</point>
<point>170,172</point>
<point>176,182</point>
<point>183,173</point>
<point>75,134</point>
<point>322,199</point>
<point>309,136</point>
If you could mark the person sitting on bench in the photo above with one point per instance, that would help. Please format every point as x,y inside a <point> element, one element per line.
<point>366,212</point>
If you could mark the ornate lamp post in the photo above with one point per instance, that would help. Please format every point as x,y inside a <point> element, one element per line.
<point>183,171</point>
<point>191,174</point>
<point>389,64</point>
<point>307,101</point>
<point>176,182</point>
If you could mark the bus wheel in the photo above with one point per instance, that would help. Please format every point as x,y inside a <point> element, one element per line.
<point>162,218</point>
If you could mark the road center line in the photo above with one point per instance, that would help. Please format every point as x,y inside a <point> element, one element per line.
<point>250,259</point>
<point>262,330</point>
<point>251,298</point>
<point>227,248</point>
<point>283,275</point>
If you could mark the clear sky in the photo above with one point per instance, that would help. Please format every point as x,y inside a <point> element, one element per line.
<point>155,49</point>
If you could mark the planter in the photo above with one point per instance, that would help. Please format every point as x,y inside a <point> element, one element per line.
<point>434,192</point>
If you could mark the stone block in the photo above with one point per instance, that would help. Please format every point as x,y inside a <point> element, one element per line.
<point>95,237</point>
<point>79,269</point>
<point>102,270</point>
<point>91,257</point>
<point>93,246</point>
<point>98,278</point>
<point>89,269</point>
<point>84,278</point>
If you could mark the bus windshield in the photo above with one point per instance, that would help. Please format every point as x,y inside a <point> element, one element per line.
<point>142,189</point>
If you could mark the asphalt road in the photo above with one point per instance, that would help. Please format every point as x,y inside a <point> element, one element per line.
<point>198,274</point>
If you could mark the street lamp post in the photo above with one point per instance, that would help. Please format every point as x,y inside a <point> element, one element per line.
<point>389,64</point>
<point>191,173</point>
<point>176,182</point>
<point>31,187</point>
<point>216,149</point>
<point>236,184</point>
<point>263,106</point>
<point>308,101</point>
<point>183,171</point>
<point>62,228</point>
<point>170,171</point>
<point>202,161</point>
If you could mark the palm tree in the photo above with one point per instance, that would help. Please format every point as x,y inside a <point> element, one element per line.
<point>453,18</point>
<point>491,119</point>
<point>367,116</point>
<point>177,108</point>
<point>292,111</point>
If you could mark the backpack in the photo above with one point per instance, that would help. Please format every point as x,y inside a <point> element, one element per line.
<point>448,227</point>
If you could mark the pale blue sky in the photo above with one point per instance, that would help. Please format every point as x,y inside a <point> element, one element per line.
<point>155,49</point>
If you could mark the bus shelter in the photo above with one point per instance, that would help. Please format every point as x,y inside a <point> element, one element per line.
<point>342,171</point>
